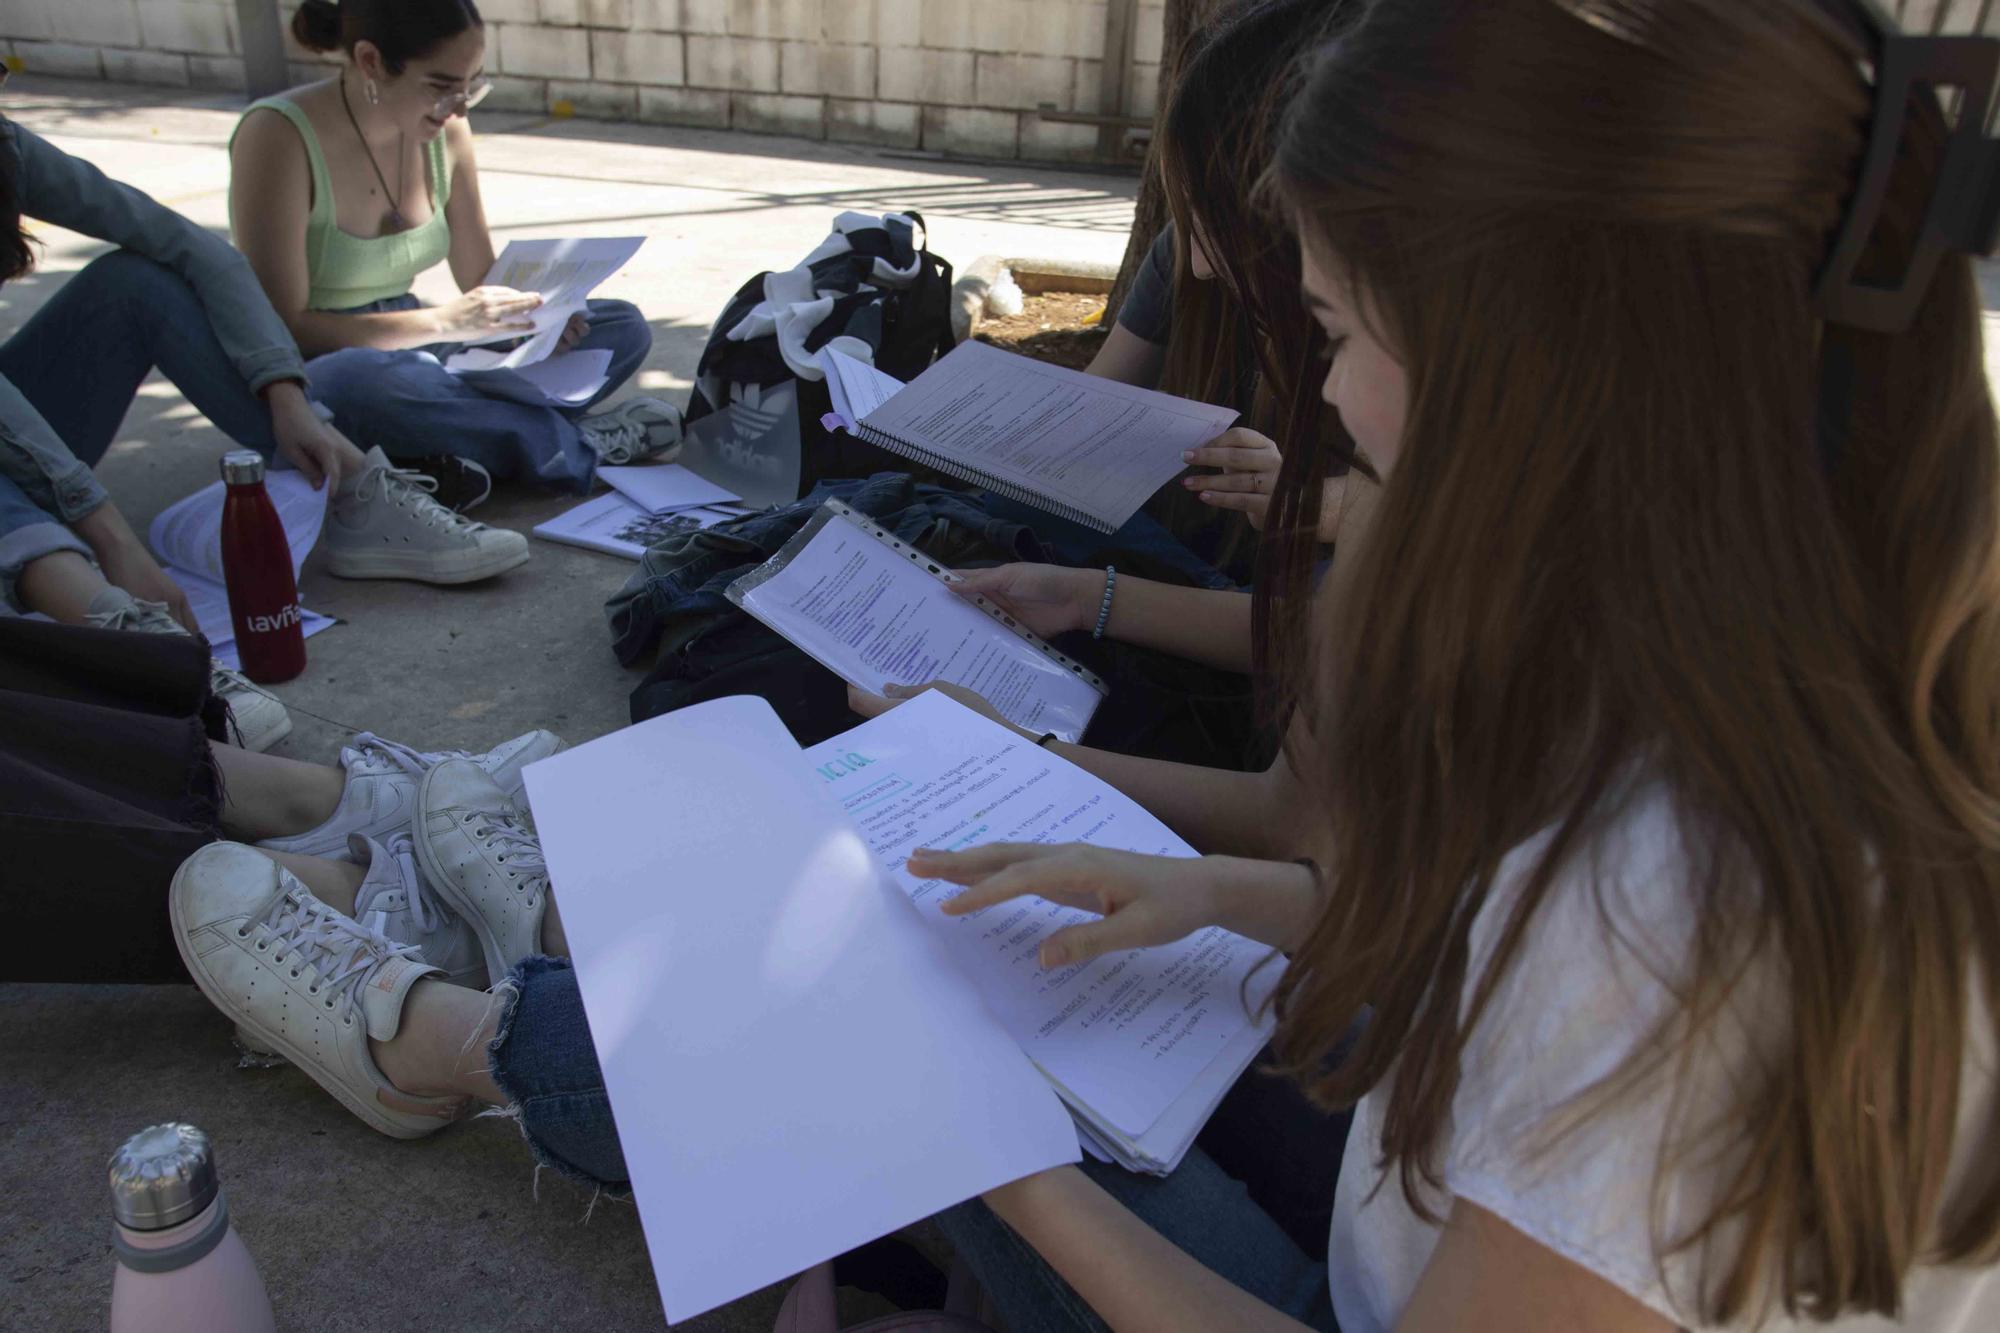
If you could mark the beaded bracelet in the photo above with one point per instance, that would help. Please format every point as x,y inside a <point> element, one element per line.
<point>1104,608</point>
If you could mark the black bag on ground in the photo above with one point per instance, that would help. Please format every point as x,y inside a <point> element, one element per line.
<point>873,289</point>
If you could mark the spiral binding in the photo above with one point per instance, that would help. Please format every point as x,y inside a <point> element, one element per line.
<point>896,444</point>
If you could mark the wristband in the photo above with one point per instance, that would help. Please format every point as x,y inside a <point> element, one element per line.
<point>1104,607</point>
<point>1045,738</point>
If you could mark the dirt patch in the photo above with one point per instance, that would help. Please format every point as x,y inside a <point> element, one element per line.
<point>1050,327</point>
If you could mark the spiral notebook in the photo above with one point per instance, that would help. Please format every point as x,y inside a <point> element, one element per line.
<point>875,611</point>
<point>1084,448</point>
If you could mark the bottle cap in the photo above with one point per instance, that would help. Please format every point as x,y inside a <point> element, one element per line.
<point>164,1175</point>
<point>240,467</point>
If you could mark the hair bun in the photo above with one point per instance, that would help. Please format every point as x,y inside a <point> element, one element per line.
<point>317,25</point>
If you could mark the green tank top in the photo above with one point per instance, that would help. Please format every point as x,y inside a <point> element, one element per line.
<point>345,270</point>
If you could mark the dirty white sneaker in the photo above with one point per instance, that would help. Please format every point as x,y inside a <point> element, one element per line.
<point>301,980</point>
<point>638,429</point>
<point>481,854</point>
<point>380,797</point>
<point>261,720</point>
<point>395,902</point>
<point>389,527</point>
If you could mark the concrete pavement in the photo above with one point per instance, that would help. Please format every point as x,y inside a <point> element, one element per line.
<point>352,1230</point>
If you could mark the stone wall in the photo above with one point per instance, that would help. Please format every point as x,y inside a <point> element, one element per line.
<point>963,76</point>
<point>180,43</point>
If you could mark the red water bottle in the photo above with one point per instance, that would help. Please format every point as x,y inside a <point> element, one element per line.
<point>257,567</point>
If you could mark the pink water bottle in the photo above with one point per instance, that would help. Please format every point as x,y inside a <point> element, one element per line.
<point>257,569</point>
<point>181,1266</point>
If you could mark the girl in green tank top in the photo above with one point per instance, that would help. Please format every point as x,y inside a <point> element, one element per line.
<point>343,192</point>
<point>344,271</point>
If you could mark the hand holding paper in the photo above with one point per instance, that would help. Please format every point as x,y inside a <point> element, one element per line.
<point>560,274</point>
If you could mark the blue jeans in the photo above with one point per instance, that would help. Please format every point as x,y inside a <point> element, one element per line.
<point>80,362</point>
<point>543,1060</point>
<point>410,405</point>
<point>1199,1208</point>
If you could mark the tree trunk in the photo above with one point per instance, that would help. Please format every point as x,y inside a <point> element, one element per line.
<point>1150,217</point>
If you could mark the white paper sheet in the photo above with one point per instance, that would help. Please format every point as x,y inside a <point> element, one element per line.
<point>186,536</point>
<point>564,271</point>
<point>874,618</point>
<point>1128,1033</point>
<point>1163,1146</point>
<point>566,379</point>
<point>795,1065</point>
<point>614,525</point>
<point>855,387</point>
<point>188,532</point>
<point>1091,444</point>
<point>662,488</point>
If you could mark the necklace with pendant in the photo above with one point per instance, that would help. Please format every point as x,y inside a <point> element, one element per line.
<point>397,222</point>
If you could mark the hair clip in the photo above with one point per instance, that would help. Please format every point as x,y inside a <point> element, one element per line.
<point>1964,212</point>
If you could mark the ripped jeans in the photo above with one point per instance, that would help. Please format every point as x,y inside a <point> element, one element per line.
<point>544,1062</point>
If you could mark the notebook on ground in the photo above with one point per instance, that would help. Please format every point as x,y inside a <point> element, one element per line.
<point>802,1053</point>
<point>614,525</point>
<point>1081,447</point>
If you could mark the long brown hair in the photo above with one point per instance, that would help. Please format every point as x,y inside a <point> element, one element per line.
<point>1245,331</point>
<point>1613,542</point>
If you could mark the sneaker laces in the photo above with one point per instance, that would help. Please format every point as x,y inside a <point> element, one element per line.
<point>413,493</point>
<point>615,439</point>
<point>520,850</point>
<point>139,616</point>
<point>228,680</point>
<point>341,952</point>
<point>372,751</point>
<point>428,913</point>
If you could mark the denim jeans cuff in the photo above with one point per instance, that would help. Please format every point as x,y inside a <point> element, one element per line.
<point>519,1106</point>
<point>25,545</point>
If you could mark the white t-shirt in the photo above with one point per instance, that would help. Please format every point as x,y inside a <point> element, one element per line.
<point>1576,1001</point>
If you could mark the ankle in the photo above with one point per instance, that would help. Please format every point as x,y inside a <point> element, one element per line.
<point>441,1048</point>
<point>311,799</point>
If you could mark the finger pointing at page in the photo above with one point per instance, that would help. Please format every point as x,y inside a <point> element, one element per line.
<point>976,863</point>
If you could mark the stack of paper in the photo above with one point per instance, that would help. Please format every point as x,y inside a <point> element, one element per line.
<point>563,272</point>
<point>187,538</point>
<point>801,1051</point>
<point>614,525</point>
<point>1140,1046</point>
<point>667,488</point>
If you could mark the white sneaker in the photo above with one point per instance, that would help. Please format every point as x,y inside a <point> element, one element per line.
<point>261,720</point>
<point>637,429</point>
<point>389,527</point>
<point>301,980</point>
<point>395,902</point>
<point>479,851</point>
<point>380,797</point>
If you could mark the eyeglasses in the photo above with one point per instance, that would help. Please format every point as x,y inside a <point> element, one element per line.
<point>452,104</point>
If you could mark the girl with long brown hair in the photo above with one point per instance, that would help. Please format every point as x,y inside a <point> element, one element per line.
<point>1650,740</point>
<point>1215,316</point>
